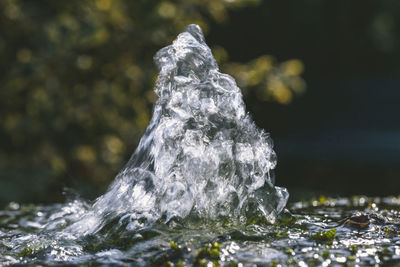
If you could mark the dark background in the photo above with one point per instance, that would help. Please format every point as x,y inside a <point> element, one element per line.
<point>76,80</point>
<point>343,135</point>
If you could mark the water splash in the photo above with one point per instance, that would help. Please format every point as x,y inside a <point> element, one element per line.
<point>201,155</point>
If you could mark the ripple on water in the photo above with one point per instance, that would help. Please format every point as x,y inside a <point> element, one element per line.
<point>290,241</point>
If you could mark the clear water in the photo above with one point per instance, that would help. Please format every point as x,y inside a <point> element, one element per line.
<point>294,240</point>
<point>201,156</point>
<point>199,190</point>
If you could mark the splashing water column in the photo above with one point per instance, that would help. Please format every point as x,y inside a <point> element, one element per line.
<point>201,155</point>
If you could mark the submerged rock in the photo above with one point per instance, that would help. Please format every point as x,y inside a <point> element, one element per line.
<point>201,156</point>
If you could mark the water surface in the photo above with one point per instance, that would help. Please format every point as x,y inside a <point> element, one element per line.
<point>317,232</point>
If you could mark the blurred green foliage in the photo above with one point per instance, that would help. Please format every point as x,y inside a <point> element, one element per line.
<point>76,85</point>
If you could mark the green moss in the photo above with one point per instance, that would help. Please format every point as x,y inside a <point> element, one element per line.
<point>25,252</point>
<point>30,250</point>
<point>390,231</point>
<point>174,246</point>
<point>325,237</point>
<point>289,251</point>
<point>201,263</point>
<point>281,234</point>
<point>210,252</point>
<point>325,254</point>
